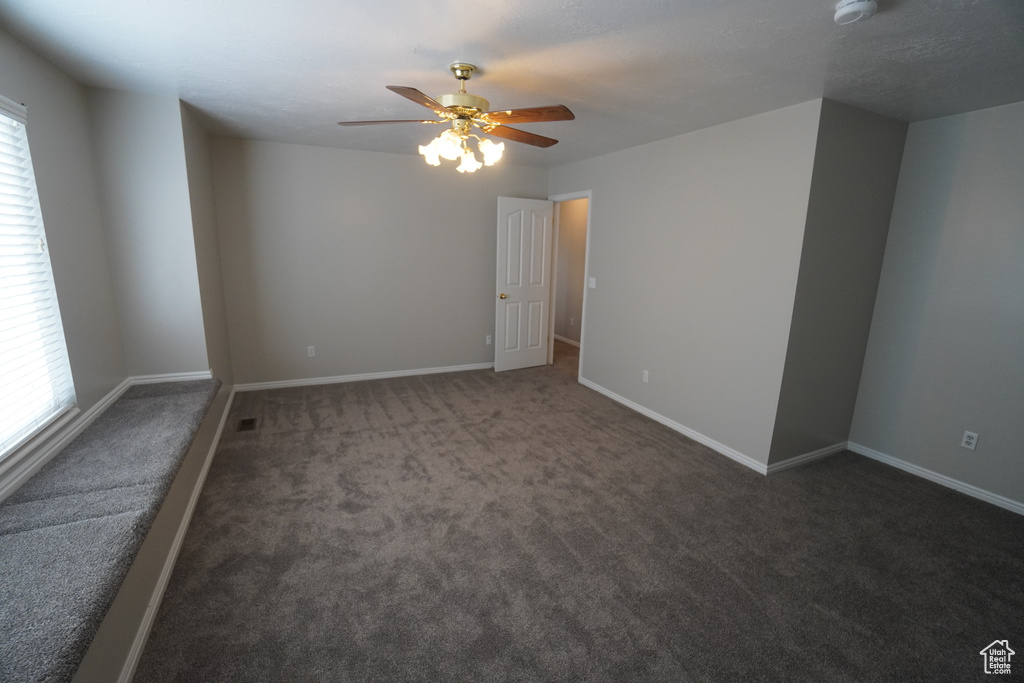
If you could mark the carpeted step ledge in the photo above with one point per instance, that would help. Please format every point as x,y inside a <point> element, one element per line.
<point>70,534</point>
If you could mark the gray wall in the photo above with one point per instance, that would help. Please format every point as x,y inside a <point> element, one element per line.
<point>58,132</point>
<point>856,165</point>
<point>378,260</point>
<point>571,268</point>
<point>695,244</point>
<point>946,350</point>
<point>140,161</point>
<point>207,244</point>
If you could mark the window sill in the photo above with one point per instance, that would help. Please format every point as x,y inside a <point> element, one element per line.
<point>29,457</point>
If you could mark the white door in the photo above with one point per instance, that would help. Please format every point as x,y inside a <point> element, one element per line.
<point>523,286</point>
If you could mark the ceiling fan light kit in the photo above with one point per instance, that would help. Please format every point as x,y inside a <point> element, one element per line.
<point>451,146</point>
<point>849,11</point>
<point>464,111</point>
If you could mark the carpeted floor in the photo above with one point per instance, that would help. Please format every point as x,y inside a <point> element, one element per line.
<point>519,527</point>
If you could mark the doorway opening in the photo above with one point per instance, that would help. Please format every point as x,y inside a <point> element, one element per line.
<point>569,277</point>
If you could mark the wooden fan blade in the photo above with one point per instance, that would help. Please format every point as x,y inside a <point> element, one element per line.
<point>419,98</point>
<point>374,123</point>
<point>554,112</point>
<point>519,136</point>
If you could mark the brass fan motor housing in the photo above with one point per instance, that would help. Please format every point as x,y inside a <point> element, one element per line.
<point>464,101</point>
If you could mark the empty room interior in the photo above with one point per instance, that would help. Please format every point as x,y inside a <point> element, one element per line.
<point>688,346</point>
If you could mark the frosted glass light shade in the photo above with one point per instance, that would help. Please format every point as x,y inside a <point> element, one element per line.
<point>492,152</point>
<point>469,163</point>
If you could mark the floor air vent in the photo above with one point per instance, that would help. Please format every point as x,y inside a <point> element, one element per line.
<point>246,424</point>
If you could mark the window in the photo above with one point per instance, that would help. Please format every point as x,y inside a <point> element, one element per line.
<point>35,377</point>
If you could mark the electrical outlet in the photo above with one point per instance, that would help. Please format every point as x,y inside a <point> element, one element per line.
<point>488,339</point>
<point>647,376</point>
<point>592,282</point>
<point>970,441</point>
<point>572,322</point>
<point>310,351</point>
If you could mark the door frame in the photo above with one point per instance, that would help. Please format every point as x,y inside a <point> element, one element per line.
<point>558,199</point>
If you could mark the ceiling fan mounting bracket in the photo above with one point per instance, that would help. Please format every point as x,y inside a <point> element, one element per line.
<point>462,70</point>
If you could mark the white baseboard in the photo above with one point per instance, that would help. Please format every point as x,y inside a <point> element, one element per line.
<point>142,635</point>
<point>570,342</point>
<point>172,377</point>
<point>340,379</point>
<point>806,458</point>
<point>930,475</point>
<point>682,429</point>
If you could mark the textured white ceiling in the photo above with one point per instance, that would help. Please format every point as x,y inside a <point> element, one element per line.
<point>632,72</point>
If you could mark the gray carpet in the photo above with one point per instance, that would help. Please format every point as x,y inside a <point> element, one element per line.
<point>520,527</point>
<point>69,535</point>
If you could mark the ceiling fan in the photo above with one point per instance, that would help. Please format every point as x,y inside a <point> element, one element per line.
<point>465,111</point>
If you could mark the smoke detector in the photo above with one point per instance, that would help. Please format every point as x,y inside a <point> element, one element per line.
<point>849,11</point>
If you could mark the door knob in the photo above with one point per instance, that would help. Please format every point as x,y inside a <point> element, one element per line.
<point>502,296</point>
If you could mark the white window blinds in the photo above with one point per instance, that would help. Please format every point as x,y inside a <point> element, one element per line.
<point>35,377</point>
